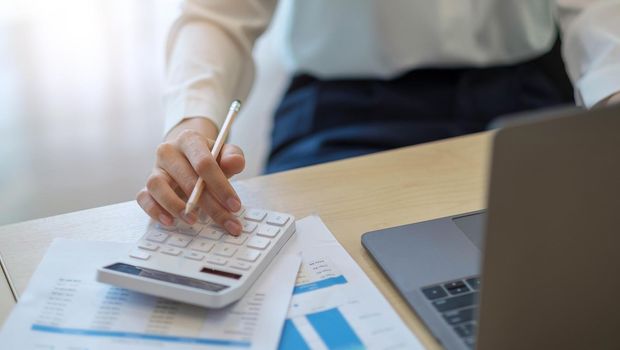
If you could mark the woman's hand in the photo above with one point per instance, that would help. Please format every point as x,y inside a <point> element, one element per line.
<point>185,155</point>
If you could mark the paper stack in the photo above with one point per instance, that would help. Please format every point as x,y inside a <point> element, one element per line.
<point>328,303</point>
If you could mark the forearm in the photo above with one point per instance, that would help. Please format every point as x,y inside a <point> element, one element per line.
<point>209,57</point>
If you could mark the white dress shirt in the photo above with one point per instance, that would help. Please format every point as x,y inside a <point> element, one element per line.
<point>209,51</point>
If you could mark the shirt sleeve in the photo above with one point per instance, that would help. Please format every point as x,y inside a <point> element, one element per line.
<point>591,47</point>
<point>209,57</point>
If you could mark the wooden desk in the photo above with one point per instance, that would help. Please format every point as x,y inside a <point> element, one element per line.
<point>352,197</point>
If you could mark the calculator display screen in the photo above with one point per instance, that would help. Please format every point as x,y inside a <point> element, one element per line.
<point>166,277</point>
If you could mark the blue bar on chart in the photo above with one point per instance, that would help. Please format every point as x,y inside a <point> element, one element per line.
<point>291,339</point>
<point>334,330</point>
<point>328,282</point>
<point>143,336</point>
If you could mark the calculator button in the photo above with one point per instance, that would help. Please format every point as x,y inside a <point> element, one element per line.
<point>202,245</point>
<point>258,243</point>
<point>216,260</point>
<point>238,240</point>
<point>277,219</point>
<point>268,231</point>
<point>224,249</point>
<point>248,255</point>
<point>158,237</point>
<point>255,214</point>
<point>148,245</point>
<point>240,265</point>
<point>179,241</point>
<point>183,225</point>
<point>203,218</point>
<point>194,256</point>
<point>248,227</point>
<point>191,230</point>
<point>171,228</point>
<point>211,233</point>
<point>215,226</point>
<point>171,251</point>
<point>139,254</point>
<point>240,212</point>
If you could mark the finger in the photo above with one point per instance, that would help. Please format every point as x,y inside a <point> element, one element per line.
<point>179,168</point>
<point>196,150</point>
<point>219,214</point>
<point>232,160</point>
<point>159,185</point>
<point>154,210</point>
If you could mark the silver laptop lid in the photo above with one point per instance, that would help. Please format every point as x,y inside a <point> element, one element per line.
<point>551,270</point>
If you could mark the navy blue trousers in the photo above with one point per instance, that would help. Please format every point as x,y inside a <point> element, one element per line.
<point>324,120</point>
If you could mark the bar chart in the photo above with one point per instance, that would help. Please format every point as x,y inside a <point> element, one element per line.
<point>327,311</point>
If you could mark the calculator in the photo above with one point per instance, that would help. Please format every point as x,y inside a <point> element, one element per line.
<point>201,264</point>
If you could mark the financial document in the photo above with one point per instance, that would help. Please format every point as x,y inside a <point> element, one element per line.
<point>64,308</point>
<point>334,304</point>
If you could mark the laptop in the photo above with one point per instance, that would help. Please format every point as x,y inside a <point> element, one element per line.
<point>540,268</point>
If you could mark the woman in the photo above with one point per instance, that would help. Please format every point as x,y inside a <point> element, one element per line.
<point>368,76</point>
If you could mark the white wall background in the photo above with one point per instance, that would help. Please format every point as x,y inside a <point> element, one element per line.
<point>80,102</point>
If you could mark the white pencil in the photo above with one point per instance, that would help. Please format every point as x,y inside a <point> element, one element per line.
<point>217,147</point>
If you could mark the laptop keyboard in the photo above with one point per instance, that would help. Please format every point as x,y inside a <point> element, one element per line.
<point>457,302</point>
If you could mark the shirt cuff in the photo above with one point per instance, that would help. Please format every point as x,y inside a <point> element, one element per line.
<point>190,104</point>
<point>597,85</point>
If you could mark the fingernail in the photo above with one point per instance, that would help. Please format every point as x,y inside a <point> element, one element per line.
<point>233,204</point>
<point>232,227</point>
<point>165,220</point>
<point>190,218</point>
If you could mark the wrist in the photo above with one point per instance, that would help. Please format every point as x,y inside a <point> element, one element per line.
<point>202,125</point>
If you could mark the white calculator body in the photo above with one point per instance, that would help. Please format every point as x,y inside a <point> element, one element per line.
<point>201,264</point>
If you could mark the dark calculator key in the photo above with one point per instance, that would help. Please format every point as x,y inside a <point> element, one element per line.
<point>457,302</point>
<point>459,316</point>
<point>473,282</point>
<point>434,292</point>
